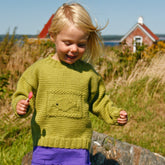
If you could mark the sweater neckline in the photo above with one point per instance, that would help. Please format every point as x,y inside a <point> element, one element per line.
<point>60,63</point>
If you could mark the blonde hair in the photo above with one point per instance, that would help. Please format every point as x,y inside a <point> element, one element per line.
<point>77,14</point>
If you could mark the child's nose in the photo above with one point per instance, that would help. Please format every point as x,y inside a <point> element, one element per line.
<point>74,49</point>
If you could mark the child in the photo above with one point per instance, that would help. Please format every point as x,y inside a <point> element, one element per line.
<point>65,89</point>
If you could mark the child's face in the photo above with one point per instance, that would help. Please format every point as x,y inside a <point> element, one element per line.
<point>70,44</point>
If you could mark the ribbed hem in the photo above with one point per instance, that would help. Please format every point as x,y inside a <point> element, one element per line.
<point>72,143</point>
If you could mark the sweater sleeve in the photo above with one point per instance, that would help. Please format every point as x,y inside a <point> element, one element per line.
<point>26,84</point>
<point>101,105</point>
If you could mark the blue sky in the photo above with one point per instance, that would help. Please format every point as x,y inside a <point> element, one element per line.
<point>29,16</point>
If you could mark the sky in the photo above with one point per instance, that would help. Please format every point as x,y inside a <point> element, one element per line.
<point>30,16</point>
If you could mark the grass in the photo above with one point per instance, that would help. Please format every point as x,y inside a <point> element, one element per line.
<point>145,103</point>
<point>142,94</point>
<point>15,140</point>
<point>137,85</point>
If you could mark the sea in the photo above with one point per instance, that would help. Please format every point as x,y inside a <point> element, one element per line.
<point>111,43</point>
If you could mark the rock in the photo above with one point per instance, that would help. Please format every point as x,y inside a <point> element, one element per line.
<point>106,150</point>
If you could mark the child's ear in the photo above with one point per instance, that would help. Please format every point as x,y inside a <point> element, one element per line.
<point>52,37</point>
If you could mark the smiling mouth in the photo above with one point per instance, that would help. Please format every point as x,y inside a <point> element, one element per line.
<point>70,57</point>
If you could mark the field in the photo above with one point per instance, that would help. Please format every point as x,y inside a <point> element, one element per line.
<point>135,82</point>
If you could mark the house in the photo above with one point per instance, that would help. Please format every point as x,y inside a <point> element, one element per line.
<point>138,35</point>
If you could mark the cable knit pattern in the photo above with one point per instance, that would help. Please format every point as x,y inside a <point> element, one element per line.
<point>63,96</point>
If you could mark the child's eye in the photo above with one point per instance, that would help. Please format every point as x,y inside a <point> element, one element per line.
<point>67,43</point>
<point>82,45</point>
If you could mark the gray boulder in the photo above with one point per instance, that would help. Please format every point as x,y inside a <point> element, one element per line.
<point>106,150</point>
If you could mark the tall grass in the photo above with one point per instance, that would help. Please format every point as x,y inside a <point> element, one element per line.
<point>135,82</point>
<point>140,89</point>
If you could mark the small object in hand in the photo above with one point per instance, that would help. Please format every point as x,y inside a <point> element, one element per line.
<point>29,96</point>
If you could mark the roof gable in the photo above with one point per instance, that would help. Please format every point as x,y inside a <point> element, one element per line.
<point>44,31</point>
<point>150,32</point>
<point>145,29</point>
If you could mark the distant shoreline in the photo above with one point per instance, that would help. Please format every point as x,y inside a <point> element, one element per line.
<point>106,38</point>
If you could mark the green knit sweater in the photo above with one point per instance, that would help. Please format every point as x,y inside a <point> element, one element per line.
<point>63,96</point>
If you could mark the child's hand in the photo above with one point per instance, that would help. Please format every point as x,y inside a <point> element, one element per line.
<point>21,107</point>
<point>123,118</point>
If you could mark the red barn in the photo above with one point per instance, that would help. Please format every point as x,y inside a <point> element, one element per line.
<point>138,35</point>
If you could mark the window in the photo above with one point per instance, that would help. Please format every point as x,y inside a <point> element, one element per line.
<point>138,40</point>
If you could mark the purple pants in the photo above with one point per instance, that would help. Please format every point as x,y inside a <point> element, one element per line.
<point>59,156</point>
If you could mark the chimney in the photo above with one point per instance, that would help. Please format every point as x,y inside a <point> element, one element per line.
<point>140,20</point>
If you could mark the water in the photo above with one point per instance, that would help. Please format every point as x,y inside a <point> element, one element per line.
<point>111,43</point>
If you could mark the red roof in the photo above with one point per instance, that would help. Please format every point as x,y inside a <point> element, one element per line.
<point>44,31</point>
<point>145,29</point>
<point>149,31</point>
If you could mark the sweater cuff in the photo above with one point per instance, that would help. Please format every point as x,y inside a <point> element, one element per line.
<point>114,114</point>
